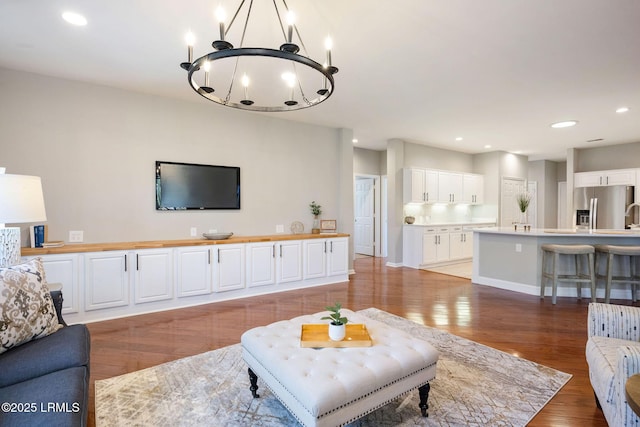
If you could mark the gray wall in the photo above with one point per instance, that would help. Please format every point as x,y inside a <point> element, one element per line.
<point>608,157</point>
<point>367,162</point>
<point>416,155</point>
<point>95,149</point>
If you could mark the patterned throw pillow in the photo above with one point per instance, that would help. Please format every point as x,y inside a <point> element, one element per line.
<point>26,308</point>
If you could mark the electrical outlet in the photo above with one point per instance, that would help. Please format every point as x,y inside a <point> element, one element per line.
<point>194,231</point>
<point>518,247</point>
<point>279,228</point>
<point>76,236</point>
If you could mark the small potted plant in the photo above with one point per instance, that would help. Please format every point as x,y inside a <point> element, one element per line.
<point>337,328</point>
<point>523,200</point>
<point>316,210</point>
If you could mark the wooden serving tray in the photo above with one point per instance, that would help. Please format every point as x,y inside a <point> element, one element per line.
<point>317,336</point>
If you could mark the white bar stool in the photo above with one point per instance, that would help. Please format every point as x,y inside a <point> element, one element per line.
<point>580,254</point>
<point>611,254</point>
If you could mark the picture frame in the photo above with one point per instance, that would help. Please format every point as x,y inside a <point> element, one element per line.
<point>328,226</point>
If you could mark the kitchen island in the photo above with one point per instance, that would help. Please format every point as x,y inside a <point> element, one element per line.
<point>509,259</point>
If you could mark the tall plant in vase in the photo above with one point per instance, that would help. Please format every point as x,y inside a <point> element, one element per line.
<point>524,200</point>
<point>316,210</point>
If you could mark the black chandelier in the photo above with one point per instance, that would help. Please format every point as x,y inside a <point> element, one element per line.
<point>272,79</point>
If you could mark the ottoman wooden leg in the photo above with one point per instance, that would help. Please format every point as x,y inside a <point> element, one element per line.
<point>253,379</point>
<point>424,395</point>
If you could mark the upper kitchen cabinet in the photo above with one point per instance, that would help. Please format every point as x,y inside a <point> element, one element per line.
<point>605,178</point>
<point>420,186</point>
<point>431,186</point>
<point>450,187</point>
<point>472,188</point>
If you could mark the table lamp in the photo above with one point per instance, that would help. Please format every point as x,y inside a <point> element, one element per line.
<point>21,201</point>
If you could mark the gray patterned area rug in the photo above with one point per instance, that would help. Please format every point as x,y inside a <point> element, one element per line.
<point>475,385</point>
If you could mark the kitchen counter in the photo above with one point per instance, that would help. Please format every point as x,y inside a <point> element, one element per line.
<point>151,244</point>
<point>509,259</point>
<point>453,224</point>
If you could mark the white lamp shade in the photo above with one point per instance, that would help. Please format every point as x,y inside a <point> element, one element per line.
<point>21,199</point>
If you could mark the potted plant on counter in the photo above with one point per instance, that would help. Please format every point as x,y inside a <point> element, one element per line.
<point>337,327</point>
<point>316,210</point>
<point>523,199</point>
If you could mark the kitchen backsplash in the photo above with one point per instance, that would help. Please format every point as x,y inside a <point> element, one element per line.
<point>439,213</point>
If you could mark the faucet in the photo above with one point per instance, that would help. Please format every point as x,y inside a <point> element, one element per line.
<point>631,207</point>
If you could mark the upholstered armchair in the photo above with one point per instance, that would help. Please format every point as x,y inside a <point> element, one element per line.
<point>613,355</point>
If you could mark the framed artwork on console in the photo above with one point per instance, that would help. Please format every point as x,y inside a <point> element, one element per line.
<point>328,226</point>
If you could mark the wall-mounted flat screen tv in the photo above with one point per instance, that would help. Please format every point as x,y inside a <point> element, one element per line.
<point>182,186</point>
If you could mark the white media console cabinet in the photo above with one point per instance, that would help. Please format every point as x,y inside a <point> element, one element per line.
<point>111,280</point>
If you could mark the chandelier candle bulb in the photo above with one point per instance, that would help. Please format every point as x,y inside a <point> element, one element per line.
<point>207,68</point>
<point>190,39</point>
<point>291,19</point>
<point>328,44</point>
<point>221,16</point>
<point>245,84</point>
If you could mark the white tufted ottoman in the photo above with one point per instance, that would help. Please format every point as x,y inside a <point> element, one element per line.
<point>335,386</point>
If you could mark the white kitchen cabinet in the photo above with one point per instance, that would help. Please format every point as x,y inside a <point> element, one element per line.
<point>460,243</point>
<point>261,264</point>
<point>420,185</point>
<point>472,188</point>
<point>467,248</point>
<point>605,178</point>
<point>153,275</point>
<point>432,179</point>
<point>435,245</point>
<point>413,186</point>
<point>314,258</point>
<point>337,256</point>
<point>106,280</point>
<point>289,261</point>
<point>193,270</point>
<point>229,268</point>
<point>450,187</point>
<point>64,269</point>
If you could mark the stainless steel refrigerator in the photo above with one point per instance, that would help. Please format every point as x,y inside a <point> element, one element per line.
<point>603,207</point>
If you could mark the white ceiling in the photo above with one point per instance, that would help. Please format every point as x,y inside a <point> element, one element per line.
<point>495,72</point>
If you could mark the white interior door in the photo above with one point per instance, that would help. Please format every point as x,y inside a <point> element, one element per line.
<point>364,216</point>
<point>509,211</point>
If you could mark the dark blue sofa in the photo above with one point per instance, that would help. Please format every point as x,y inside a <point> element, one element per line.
<point>45,382</point>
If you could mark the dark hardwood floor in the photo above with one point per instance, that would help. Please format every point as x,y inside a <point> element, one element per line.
<point>522,325</point>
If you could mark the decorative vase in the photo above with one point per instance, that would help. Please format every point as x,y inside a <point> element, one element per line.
<point>315,229</point>
<point>337,332</point>
<point>523,218</point>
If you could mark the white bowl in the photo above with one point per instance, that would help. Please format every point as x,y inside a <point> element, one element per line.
<point>217,236</point>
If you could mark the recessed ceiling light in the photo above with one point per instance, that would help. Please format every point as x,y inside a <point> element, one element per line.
<point>487,146</point>
<point>565,124</point>
<point>354,140</point>
<point>622,110</point>
<point>459,138</point>
<point>74,18</point>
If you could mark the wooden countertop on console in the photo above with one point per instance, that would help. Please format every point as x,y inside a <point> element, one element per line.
<point>124,246</point>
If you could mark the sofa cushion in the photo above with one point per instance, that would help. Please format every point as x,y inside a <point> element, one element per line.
<point>602,356</point>
<point>26,308</point>
<point>56,399</point>
<point>67,348</point>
